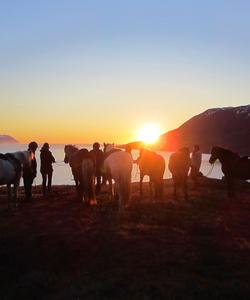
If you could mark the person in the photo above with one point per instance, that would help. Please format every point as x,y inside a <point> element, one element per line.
<point>29,173</point>
<point>99,157</point>
<point>195,164</point>
<point>46,167</point>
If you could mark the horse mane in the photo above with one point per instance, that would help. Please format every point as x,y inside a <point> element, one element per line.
<point>224,151</point>
<point>71,147</point>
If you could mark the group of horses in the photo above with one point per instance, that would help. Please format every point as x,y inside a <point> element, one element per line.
<point>117,167</point>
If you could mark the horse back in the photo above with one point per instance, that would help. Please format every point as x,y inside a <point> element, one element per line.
<point>179,163</point>
<point>242,169</point>
<point>118,163</point>
<point>152,165</point>
<point>8,173</point>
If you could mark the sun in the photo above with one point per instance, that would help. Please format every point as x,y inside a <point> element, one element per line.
<point>149,134</point>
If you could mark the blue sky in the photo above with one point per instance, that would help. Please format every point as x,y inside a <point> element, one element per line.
<point>73,65</point>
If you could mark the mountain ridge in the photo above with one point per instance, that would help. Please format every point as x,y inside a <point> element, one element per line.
<point>228,127</point>
<point>7,139</point>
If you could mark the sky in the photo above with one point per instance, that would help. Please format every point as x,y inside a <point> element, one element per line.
<point>80,71</point>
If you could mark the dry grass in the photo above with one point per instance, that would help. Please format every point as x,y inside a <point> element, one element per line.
<point>54,248</point>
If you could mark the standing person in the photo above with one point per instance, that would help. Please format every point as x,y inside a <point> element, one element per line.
<point>195,164</point>
<point>30,173</point>
<point>46,167</point>
<point>99,161</point>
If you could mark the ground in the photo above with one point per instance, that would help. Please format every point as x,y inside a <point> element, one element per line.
<point>55,248</point>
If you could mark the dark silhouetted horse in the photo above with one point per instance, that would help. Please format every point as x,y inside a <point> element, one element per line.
<point>82,163</point>
<point>179,165</point>
<point>153,165</point>
<point>232,165</point>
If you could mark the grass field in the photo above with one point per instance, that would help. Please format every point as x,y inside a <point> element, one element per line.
<point>55,248</point>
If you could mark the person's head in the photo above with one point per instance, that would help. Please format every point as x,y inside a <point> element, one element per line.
<point>196,147</point>
<point>33,146</point>
<point>46,146</point>
<point>96,146</point>
<point>184,150</point>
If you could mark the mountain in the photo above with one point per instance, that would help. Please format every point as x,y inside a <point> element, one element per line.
<point>7,139</point>
<point>228,127</point>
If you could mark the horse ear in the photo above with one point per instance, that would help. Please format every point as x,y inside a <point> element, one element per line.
<point>113,144</point>
<point>104,144</point>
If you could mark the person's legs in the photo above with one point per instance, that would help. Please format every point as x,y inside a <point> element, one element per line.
<point>27,181</point>
<point>49,181</point>
<point>194,176</point>
<point>44,176</point>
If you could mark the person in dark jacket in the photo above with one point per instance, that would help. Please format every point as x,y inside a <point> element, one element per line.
<point>46,168</point>
<point>29,173</point>
<point>98,154</point>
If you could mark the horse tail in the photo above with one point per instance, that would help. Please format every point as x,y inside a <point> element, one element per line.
<point>123,186</point>
<point>87,181</point>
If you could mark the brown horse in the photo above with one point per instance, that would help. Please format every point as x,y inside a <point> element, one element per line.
<point>83,167</point>
<point>153,165</point>
<point>232,165</point>
<point>179,165</point>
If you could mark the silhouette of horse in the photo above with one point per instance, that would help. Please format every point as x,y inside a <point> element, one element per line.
<point>232,165</point>
<point>153,165</point>
<point>11,166</point>
<point>118,165</point>
<point>70,151</point>
<point>82,163</point>
<point>179,165</point>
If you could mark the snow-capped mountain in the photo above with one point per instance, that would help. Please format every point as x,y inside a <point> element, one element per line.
<point>7,139</point>
<point>227,127</point>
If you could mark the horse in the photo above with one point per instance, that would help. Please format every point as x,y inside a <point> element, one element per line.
<point>118,165</point>
<point>11,166</point>
<point>232,165</point>
<point>83,167</point>
<point>70,151</point>
<point>179,165</point>
<point>153,165</point>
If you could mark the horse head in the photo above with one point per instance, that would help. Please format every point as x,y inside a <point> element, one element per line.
<point>215,154</point>
<point>69,150</point>
<point>222,154</point>
<point>108,147</point>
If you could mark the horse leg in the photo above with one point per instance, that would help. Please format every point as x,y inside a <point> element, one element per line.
<point>229,187</point>
<point>110,188</point>
<point>141,179</point>
<point>233,188</point>
<point>151,188</point>
<point>185,190</point>
<point>16,184</point>
<point>75,178</point>
<point>175,189</point>
<point>91,191</point>
<point>9,195</point>
<point>161,188</point>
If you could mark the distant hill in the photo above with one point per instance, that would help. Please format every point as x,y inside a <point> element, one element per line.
<point>227,127</point>
<point>7,139</point>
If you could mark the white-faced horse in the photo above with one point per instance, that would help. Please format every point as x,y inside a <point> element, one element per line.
<point>82,163</point>
<point>118,165</point>
<point>11,166</point>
